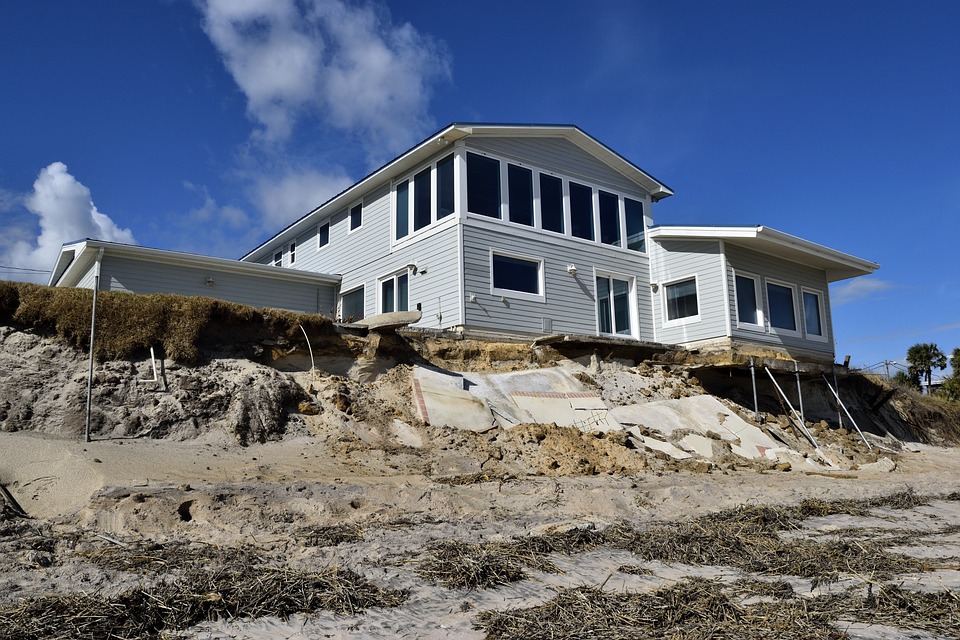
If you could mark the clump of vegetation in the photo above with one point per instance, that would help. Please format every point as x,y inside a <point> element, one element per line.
<point>128,323</point>
<point>216,584</point>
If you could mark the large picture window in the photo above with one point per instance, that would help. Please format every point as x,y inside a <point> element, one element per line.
<point>483,185</point>
<point>613,305</point>
<point>680,300</point>
<point>780,299</point>
<point>748,302</point>
<point>513,275</point>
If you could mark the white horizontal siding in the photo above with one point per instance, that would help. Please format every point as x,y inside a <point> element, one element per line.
<point>766,266</point>
<point>674,260</point>
<point>141,276</point>
<point>570,302</point>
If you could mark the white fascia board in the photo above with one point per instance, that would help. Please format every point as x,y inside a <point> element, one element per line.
<point>162,256</point>
<point>836,264</point>
<point>445,137</point>
<point>396,167</point>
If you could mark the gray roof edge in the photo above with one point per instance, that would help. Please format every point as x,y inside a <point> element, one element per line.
<point>466,129</point>
<point>191,259</point>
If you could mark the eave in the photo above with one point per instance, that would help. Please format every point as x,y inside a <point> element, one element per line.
<point>836,264</point>
<point>76,258</point>
<point>450,134</point>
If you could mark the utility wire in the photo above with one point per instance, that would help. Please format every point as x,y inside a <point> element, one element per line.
<point>5,267</point>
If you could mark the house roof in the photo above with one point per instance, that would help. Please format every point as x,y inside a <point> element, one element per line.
<point>76,257</point>
<point>836,264</point>
<point>448,135</point>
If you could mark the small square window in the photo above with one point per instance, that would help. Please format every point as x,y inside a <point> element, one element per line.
<point>680,300</point>
<point>356,217</point>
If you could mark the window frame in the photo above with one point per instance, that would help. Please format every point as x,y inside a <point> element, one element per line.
<point>758,294</point>
<point>292,252</point>
<point>501,168</point>
<point>633,317</point>
<point>277,258</point>
<point>435,200</point>
<point>320,243</point>
<point>395,277</point>
<point>363,295</point>
<point>512,293</point>
<point>350,210</point>
<point>780,331</point>
<point>821,298</point>
<point>678,322</point>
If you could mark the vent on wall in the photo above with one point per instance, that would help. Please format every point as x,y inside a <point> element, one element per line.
<point>547,325</point>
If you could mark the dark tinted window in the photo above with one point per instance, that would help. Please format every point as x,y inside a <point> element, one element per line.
<point>356,217</point>
<point>780,299</point>
<point>581,211</point>
<point>747,300</point>
<point>609,219</point>
<point>351,305</point>
<point>516,274</point>
<point>551,203</point>
<point>682,299</point>
<point>323,234</point>
<point>445,198</point>
<point>520,185</point>
<point>633,209</point>
<point>421,199</point>
<point>403,209</point>
<point>483,185</point>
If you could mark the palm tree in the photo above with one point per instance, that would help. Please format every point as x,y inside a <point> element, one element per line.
<point>923,358</point>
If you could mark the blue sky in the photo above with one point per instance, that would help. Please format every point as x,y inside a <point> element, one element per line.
<point>208,125</point>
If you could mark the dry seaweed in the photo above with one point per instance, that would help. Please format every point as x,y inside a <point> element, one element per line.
<point>458,565</point>
<point>690,609</point>
<point>216,584</point>
<point>331,536</point>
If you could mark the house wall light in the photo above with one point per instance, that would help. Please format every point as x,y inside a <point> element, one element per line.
<point>210,282</point>
<point>572,269</point>
<point>654,287</point>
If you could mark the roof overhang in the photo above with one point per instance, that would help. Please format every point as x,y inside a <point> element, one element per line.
<point>450,134</point>
<point>76,258</point>
<point>836,264</point>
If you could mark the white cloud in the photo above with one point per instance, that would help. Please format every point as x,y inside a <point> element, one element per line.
<point>347,64</point>
<point>66,213</point>
<point>285,199</point>
<point>858,289</point>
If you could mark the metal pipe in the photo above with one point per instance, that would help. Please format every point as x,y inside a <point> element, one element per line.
<point>93,328</point>
<point>803,427</point>
<point>312,367</point>
<point>837,386</point>
<point>753,381</point>
<point>837,396</point>
<point>796,371</point>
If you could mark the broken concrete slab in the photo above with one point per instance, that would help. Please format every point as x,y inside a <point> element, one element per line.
<point>701,414</point>
<point>701,445</point>
<point>390,321</point>
<point>583,410</point>
<point>442,401</point>
<point>653,444</point>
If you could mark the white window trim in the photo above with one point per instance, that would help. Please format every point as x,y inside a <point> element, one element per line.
<point>634,307</point>
<point>823,315</point>
<point>292,252</point>
<point>392,276</point>
<point>565,181</point>
<point>519,295</point>
<point>679,322</point>
<point>434,199</point>
<point>277,262</point>
<point>758,295</point>
<point>321,246</point>
<point>796,309</point>
<point>361,287</point>
<point>350,217</point>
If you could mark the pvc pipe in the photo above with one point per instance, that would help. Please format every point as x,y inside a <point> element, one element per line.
<point>93,328</point>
